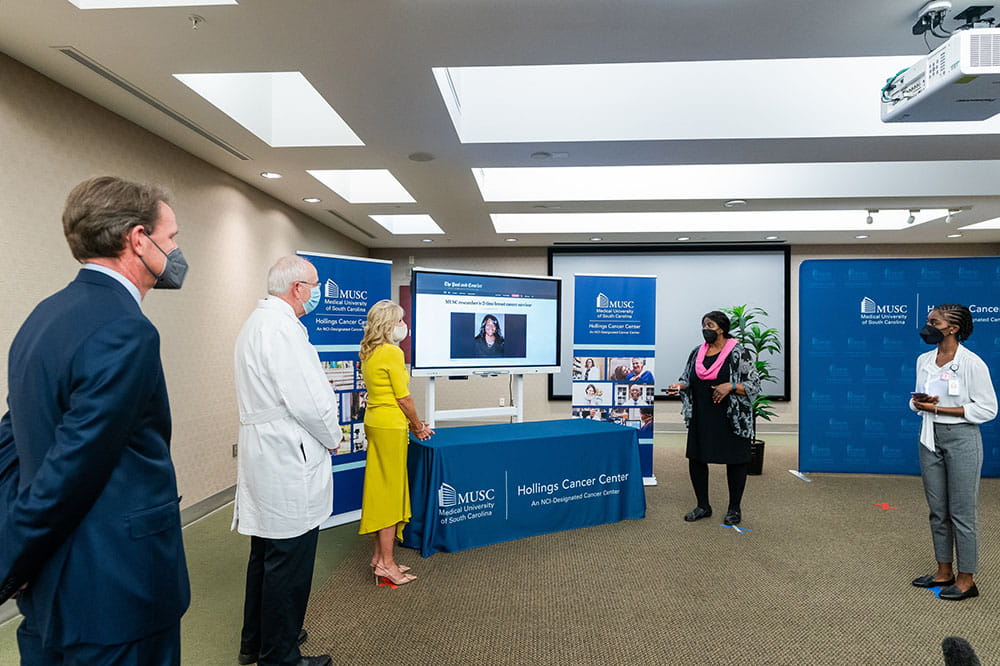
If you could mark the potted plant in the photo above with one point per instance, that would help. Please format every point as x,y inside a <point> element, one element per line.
<point>749,331</point>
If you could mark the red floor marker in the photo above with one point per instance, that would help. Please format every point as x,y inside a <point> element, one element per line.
<point>884,506</point>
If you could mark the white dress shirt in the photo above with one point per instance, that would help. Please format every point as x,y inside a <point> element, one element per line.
<point>974,391</point>
<point>288,420</point>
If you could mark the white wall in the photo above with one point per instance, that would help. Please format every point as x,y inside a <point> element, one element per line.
<point>50,140</point>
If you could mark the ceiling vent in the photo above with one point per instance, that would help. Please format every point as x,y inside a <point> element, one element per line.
<point>138,93</point>
<point>349,223</point>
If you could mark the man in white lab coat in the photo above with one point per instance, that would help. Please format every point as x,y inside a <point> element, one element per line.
<point>284,486</point>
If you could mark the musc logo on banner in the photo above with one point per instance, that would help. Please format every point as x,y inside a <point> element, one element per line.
<point>873,313</point>
<point>335,293</point>
<point>605,303</point>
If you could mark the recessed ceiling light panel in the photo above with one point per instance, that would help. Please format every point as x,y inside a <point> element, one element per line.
<point>282,108</point>
<point>639,101</point>
<point>363,185</point>
<point>985,224</point>
<point>708,222</point>
<point>789,180</point>
<point>399,225</point>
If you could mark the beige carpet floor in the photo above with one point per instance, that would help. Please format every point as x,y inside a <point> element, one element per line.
<point>823,577</point>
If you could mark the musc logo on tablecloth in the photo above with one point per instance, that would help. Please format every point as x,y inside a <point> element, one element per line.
<point>447,495</point>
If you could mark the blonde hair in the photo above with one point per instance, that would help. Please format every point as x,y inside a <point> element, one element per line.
<point>382,318</point>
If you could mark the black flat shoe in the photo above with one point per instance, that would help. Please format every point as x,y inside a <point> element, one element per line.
<point>928,581</point>
<point>246,658</point>
<point>732,518</point>
<point>952,593</point>
<point>697,513</point>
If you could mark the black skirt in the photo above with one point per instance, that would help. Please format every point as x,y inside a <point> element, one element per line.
<point>710,436</point>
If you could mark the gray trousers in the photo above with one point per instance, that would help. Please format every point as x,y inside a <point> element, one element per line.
<point>951,483</point>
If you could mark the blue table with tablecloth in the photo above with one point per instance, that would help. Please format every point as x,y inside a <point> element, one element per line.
<point>479,485</point>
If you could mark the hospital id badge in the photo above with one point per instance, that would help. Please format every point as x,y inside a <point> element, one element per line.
<point>952,387</point>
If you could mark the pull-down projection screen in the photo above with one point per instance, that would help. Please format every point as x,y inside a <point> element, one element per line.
<point>690,282</point>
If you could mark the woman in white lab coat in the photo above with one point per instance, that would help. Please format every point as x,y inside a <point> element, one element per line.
<point>954,394</point>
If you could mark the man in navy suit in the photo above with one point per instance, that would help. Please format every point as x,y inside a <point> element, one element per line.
<point>90,533</point>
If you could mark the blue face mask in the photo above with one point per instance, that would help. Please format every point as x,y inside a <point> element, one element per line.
<point>313,301</point>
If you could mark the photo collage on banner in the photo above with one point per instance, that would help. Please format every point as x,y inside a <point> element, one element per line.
<point>860,321</point>
<point>349,287</point>
<point>613,357</point>
<point>345,380</point>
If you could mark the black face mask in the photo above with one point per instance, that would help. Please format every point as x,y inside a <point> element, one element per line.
<point>709,335</point>
<point>931,335</point>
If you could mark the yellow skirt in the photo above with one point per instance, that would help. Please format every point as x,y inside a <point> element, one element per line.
<point>385,499</point>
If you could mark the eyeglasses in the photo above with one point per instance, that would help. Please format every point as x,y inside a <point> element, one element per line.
<point>311,284</point>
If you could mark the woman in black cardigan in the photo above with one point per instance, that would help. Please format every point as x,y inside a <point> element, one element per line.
<point>717,389</point>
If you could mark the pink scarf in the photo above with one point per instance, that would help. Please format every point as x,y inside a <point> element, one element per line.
<point>713,372</point>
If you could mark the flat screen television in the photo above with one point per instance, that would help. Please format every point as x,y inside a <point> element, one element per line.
<point>482,323</point>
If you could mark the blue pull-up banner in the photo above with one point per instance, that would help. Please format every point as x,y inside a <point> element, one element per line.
<point>614,338</point>
<point>350,286</point>
<point>859,321</point>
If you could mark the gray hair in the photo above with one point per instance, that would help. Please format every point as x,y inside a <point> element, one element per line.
<point>286,272</point>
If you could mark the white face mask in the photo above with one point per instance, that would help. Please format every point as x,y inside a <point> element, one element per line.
<point>399,333</point>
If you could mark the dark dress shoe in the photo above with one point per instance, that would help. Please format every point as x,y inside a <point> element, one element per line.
<point>697,513</point>
<point>732,518</point>
<point>928,581</point>
<point>246,658</point>
<point>321,660</point>
<point>952,593</point>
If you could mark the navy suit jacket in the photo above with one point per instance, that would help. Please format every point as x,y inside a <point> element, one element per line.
<point>89,513</point>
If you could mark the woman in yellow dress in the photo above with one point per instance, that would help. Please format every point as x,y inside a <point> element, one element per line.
<point>385,500</point>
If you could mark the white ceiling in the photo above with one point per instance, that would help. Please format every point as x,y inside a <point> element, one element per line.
<point>373,62</point>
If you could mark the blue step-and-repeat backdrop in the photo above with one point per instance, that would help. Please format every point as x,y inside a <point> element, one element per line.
<point>859,321</point>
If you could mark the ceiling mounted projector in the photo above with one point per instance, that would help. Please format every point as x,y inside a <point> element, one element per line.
<point>959,80</point>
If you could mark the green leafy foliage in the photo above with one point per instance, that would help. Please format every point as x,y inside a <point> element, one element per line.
<point>749,331</point>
